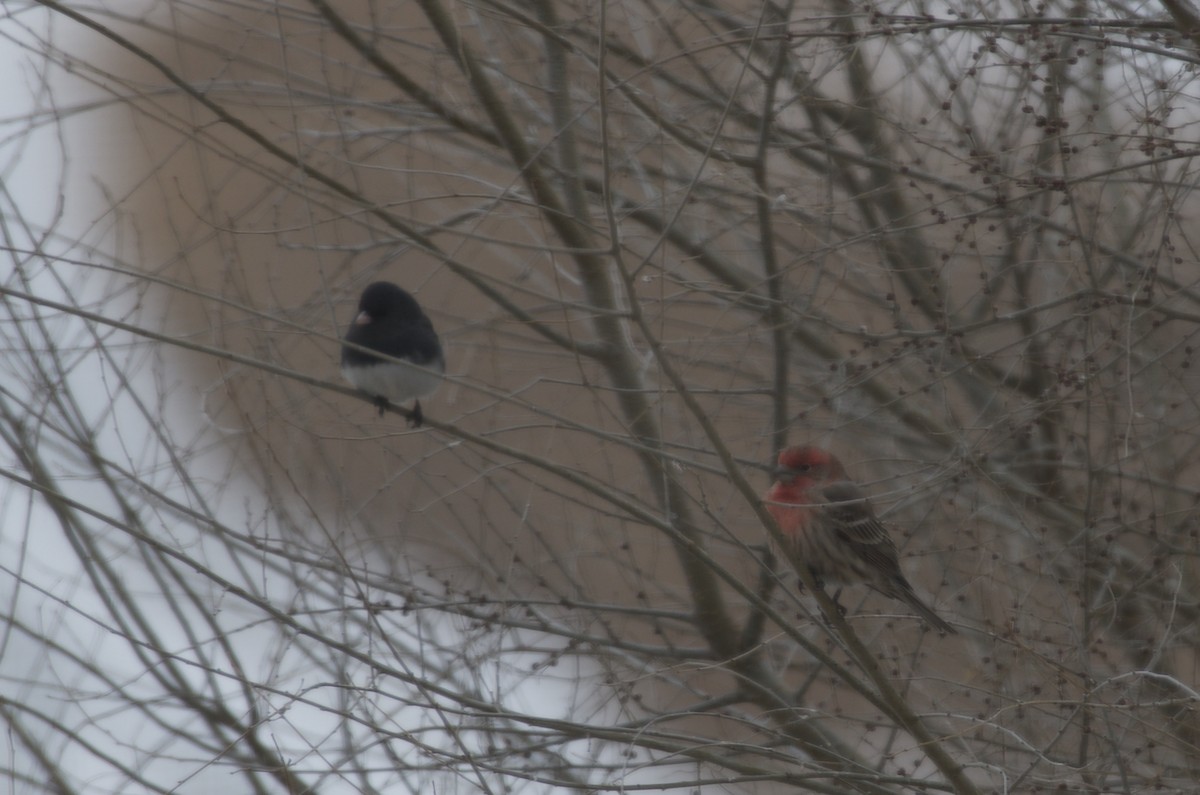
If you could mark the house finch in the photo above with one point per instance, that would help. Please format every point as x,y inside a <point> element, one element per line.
<point>390,321</point>
<point>833,530</point>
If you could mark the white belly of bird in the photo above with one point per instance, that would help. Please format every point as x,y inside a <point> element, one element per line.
<point>397,382</point>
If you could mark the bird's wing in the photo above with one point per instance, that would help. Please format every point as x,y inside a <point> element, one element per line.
<point>850,515</point>
<point>412,339</point>
<point>415,341</point>
<point>850,512</point>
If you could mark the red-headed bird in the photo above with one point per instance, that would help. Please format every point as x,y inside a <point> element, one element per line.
<point>833,529</point>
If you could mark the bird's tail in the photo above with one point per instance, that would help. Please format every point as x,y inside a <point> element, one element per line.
<point>904,592</point>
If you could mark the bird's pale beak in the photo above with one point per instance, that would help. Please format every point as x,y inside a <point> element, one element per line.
<point>362,318</point>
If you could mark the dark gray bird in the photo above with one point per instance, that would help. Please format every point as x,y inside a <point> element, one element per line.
<point>390,321</point>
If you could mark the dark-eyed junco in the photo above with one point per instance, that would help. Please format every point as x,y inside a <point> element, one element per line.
<point>390,321</point>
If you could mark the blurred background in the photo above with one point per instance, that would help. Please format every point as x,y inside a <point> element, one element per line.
<point>659,242</point>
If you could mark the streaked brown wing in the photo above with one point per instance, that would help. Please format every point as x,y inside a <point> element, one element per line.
<point>851,516</point>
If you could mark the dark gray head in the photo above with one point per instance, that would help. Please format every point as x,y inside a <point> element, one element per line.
<point>383,299</point>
